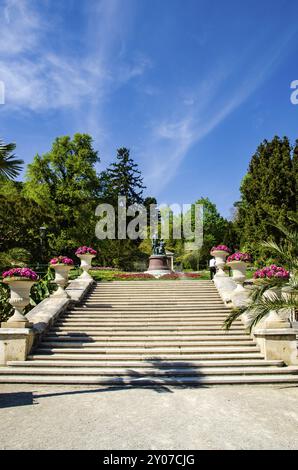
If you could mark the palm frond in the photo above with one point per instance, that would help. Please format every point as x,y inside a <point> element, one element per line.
<point>258,310</point>
<point>234,315</point>
<point>10,166</point>
<point>273,246</point>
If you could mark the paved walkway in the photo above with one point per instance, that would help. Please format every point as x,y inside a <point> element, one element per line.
<point>230,417</point>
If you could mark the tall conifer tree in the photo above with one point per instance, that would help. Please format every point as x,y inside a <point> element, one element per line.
<point>268,192</point>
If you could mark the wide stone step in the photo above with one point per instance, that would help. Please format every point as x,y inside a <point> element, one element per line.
<point>148,372</point>
<point>144,334</point>
<point>127,323</point>
<point>86,313</point>
<point>149,349</point>
<point>149,310</point>
<point>146,343</point>
<point>148,364</point>
<point>138,317</point>
<point>157,303</point>
<point>145,317</point>
<point>162,297</point>
<point>148,356</point>
<point>83,337</point>
<point>154,283</point>
<point>152,381</point>
<point>150,329</point>
<point>160,287</point>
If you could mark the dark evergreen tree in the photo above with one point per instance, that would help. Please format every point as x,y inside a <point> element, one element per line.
<point>268,193</point>
<point>123,178</point>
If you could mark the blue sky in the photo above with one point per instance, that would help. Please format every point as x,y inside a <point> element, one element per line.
<point>190,86</point>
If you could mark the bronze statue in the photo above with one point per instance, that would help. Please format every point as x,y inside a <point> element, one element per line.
<point>158,247</point>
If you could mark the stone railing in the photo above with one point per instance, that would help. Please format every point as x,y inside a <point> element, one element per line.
<point>18,338</point>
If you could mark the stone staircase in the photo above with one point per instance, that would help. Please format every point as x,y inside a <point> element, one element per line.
<point>144,333</point>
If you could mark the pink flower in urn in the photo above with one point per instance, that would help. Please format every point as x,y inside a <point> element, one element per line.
<point>220,248</point>
<point>62,260</point>
<point>86,250</point>
<point>26,273</point>
<point>272,272</point>
<point>245,257</point>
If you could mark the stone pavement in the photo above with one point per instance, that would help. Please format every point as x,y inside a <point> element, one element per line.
<point>88,417</point>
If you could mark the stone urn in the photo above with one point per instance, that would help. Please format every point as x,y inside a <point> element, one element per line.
<point>274,319</point>
<point>239,274</point>
<point>220,260</point>
<point>20,288</point>
<point>61,279</point>
<point>86,260</point>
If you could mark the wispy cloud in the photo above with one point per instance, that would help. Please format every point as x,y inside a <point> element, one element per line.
<point>39,78</point>
<point>198,113</point>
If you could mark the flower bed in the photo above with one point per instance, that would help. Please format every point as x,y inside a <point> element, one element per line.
<point>192,275</point>
<point>245,257</point>
<point>221,248</point>
<point>25,273</point>
<point>85,250</point>
<point>62,260</point>
<point>132,276</point>
<point>173,276</point>
<point>272,272</point>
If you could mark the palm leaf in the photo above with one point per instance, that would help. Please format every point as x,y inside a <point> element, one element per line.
<point>10,166</point>
<point>234,315</point>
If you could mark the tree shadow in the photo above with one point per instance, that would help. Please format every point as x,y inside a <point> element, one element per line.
<point>155,381</point>
<point>159,371</point>
<point>9,400</point>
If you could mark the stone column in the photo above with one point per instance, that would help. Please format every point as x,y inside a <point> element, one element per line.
<point>15,344</point>
<point>278,344</point>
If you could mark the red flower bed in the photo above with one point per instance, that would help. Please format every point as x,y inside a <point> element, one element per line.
<point>128,276</point>
<point>192,275</point>
<point>171,276</point>
<point>181,276</point>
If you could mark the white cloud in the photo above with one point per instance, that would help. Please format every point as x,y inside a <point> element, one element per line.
<point>39,78</point>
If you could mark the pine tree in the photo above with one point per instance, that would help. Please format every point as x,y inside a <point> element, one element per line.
<point>123,178</point>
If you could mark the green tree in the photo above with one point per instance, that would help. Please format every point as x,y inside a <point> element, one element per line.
<point>295,168</point>
<point>216,229</point>
<point>20,219</point>
<point>10,166</point>
<point>268,192</point>
<point>123,178</point>
<point>64,182</point>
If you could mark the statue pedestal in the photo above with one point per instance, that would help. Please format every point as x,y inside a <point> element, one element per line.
<point>158,265</point>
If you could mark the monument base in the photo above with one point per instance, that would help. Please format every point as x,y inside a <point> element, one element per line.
<point>158,265</point>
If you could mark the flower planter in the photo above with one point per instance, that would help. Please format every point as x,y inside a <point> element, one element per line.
<point>85,265</point>
<point>19,297</point>
<point>239,274</point>
<point>220,260</point>
<point>274,319</point>
<point>61,279</point>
